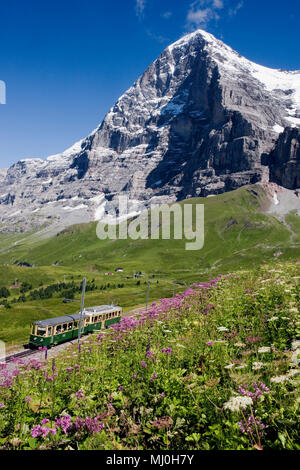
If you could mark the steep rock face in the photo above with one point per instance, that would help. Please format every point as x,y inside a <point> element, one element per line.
<point>195,123</point>
<point>3,172</point>
<point>284,160</point>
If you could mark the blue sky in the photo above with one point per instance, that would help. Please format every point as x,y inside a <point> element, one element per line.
<point>66,63</point>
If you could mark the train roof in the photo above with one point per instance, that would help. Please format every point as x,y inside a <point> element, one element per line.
<point>101,309</point>
<point>59,320</point>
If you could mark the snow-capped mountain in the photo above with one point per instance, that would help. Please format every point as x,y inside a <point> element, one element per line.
<point>196,123</point>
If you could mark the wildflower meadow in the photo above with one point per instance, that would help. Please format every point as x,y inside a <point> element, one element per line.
<point>213,368</point>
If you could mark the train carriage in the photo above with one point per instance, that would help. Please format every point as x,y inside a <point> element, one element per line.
<point>102,316</point>
<point>58,330</point>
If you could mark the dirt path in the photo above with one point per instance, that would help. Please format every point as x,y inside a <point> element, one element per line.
<point>293,233</point>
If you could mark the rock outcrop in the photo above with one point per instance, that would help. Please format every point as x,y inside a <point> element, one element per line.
<point>284,160</point>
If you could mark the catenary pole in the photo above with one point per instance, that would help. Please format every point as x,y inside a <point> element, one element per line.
<point>82,307</point>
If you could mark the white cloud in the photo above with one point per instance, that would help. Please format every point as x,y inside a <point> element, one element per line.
<point>218,4</point>
<point>199,17</point>
<point>233,11</point>
<point>202,12</point>
<point>166,15</point>
<point>140,7</point>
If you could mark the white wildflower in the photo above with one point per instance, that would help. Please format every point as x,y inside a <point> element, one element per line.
<point>295,357</point>
<point>180,345</point>
<point>222,328</point>
<point>273,318</point>
<point>293,372</point>
<point>257,365</point>
<point>279,379</point>
<point>242,366</point>
<point>238,403</point>
<point>293,310</point>
<point>230,366</point>
<point>167,331</point>
<point>264,349</point>
<point>240,345</point>
<point>295,345</point>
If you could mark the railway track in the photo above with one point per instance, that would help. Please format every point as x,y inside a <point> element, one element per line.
<point>20,355</point>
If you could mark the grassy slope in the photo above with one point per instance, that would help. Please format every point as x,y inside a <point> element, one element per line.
<point>234,227</point>
<point>238,235</point>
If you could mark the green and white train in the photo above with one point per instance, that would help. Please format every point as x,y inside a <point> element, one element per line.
<point>61,329</point>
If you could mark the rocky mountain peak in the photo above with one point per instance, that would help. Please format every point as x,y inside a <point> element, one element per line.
<point>195,123</point>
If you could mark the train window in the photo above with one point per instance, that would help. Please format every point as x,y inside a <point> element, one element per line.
<point>49,331</point>
<point>33,329</point>
<point>75,324</point>
<point>41,331</point>
<point>64,327</point>
<point>70,326</point>
<point>58,329</point>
